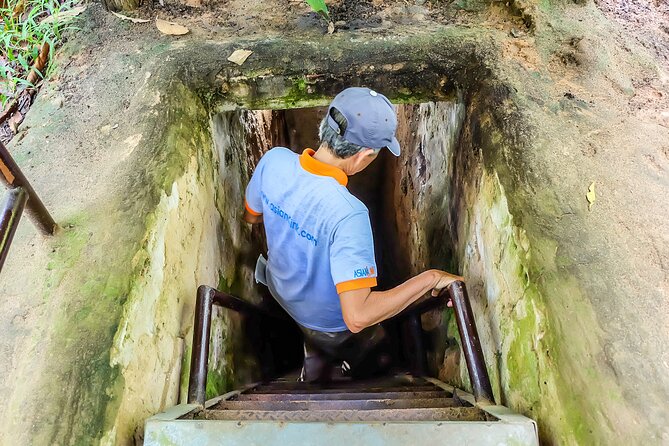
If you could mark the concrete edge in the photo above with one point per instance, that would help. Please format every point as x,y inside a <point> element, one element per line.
<point>503,413</point>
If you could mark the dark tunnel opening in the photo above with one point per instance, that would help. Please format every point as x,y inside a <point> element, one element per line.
<point>390,188</point>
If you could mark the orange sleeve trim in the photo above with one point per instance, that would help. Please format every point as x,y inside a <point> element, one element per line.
<point>251,211</point>
<point>356,284</point>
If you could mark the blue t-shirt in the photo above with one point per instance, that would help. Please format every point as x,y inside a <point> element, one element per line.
<point>319,237</point>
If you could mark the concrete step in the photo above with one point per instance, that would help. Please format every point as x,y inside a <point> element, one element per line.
<point>392,381</point>
<point>318,389</point>
<point>341,396</point>
<point>362,404</point>
<point>386,411</point>
<point>347,416</point>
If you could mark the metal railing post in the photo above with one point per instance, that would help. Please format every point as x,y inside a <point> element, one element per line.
<point>13,177</point>
<point>197,381</point>
<point>471,345</point>
<point>10,215</point>
<point>207,297</point>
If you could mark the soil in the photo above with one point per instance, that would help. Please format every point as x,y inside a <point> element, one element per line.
<point>646,20</point>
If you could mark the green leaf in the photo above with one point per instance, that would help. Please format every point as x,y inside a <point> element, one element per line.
<point>24,82</point>
<point>320,7</point>
<point>22,60</point>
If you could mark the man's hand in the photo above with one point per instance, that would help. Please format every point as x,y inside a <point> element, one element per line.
<point>442,280</point>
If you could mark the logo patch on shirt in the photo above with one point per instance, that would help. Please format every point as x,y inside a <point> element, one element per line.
<point>363,272</point>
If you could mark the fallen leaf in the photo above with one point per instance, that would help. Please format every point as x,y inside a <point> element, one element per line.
<point>591,196</point>
<point>18,9</point>
<point>331,27</point>
<point>239,56</point>
<point>170,28</point>
<point>65,16</point>
<point>14,121</point>
<point>132,19</point>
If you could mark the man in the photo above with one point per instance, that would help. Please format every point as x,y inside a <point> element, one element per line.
<point>321,267</point>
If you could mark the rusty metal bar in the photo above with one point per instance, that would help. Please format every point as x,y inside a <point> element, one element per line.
<point>206,298</point>
<point>12,176</point>
<point>471,346</point>
<point>199,362</point>
<point>239,305</point>
<point>9,219</point>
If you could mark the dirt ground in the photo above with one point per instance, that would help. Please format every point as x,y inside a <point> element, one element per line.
<point>647,20</point>
<point>241,17</point>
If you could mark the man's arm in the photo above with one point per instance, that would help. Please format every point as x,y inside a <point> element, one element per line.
<point>363,308</point>
<point>252,218</point>
<point>253,203</point>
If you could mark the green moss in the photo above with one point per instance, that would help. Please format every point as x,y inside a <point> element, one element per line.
<point>185,372</point>
<point>225,284</point>
<point>219,382</point>
<point>67,249</point>
<point>521,358</point>
<point>220,376</point>
<point>98,258</point>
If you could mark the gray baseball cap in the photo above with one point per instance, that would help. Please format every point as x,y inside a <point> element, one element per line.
<point>370,117</point>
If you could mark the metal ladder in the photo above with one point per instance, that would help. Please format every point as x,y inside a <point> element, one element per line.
<point>398,410</point>
<point>389,399</point>
<point>394,410</point>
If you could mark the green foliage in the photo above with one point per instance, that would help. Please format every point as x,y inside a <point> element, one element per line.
<point>24,30</point>
<point>320,7</point>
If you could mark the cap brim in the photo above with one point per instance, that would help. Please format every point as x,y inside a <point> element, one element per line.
<point>394,147</point>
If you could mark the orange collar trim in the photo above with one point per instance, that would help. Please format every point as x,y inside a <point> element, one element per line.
<point>312,165</point>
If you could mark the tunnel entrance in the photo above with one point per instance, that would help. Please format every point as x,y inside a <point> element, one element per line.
<point>404,196</point>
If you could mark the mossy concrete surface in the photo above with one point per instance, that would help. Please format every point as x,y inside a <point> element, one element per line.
<point>571,303</point>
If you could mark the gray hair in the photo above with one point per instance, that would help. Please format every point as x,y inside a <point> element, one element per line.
<point>335,142</point>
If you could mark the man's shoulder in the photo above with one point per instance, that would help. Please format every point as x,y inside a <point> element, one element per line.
<point>279,154</point>
<point>347,203</point>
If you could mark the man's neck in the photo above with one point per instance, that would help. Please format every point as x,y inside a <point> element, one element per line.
<point>324,155</point>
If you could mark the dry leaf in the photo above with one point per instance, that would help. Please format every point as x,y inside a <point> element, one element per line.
<point>132,19</point>
<point>591,196</point>
<point>331,28</point>
<point>239,56</point>
<point>14,121</point>
<point>65,16</point>
<point>170,28</point>
<point>18,9</point>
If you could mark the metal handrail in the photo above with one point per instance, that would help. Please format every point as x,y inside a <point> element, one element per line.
<point>456,292</point>
<point>11,175</point>
<point>471,345</point>
<point>207,297</point>
<point>21,196</point>
<point>10,215</point>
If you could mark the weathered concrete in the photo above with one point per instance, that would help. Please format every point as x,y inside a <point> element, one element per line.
<point>182,426</point>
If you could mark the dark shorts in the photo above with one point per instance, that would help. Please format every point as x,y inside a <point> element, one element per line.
<point>362,351</point>
<point>365,352</point>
